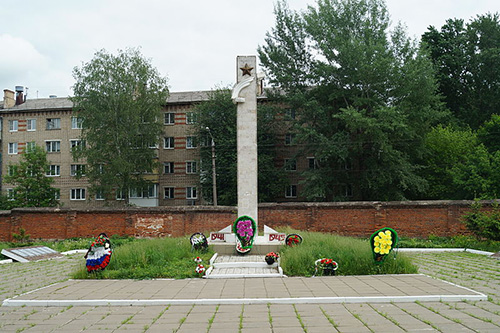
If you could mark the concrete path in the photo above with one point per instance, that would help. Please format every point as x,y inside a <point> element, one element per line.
<point>298,290</point>
<point>477,272</point>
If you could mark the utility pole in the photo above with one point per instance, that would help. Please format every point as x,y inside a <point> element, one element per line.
<point>214,173</point>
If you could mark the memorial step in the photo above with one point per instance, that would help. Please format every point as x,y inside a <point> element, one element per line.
<point>233,267</point>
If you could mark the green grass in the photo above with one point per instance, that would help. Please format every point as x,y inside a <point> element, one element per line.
<point>460,241</point>
<point>150,258</point>
<point>353,255</point>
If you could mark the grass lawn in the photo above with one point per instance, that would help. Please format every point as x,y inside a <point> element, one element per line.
<point>173,258</point>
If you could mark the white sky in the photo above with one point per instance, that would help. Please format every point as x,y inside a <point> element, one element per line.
<point>194,43</point>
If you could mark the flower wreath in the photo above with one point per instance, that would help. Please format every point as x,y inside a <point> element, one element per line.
<point>382,243</point>
<point>245,229</point>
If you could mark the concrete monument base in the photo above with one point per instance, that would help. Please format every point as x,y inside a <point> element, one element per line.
<point>223,242</point>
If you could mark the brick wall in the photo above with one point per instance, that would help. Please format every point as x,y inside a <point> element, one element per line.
<point>410,219</point>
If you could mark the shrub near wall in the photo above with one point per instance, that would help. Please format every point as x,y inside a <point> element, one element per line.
<point>410,219</point>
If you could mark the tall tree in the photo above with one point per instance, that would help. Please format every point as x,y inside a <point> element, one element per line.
<point>32,186</point>
<point>363,100</point>
<point>217,119</point>
<point>119,100</point>
<point>467,59</point>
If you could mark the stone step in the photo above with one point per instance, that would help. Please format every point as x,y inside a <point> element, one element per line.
<point>249,266</point>
<point>243,272</point>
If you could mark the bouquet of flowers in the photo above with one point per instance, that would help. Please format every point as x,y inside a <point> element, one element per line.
<point>271,257</point>
<point>198,260</point>
<point>293,239</point>
<point>200,269</point>
<point>327,265</point>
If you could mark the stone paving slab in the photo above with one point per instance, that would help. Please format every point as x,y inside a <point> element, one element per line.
<point>319,290</point>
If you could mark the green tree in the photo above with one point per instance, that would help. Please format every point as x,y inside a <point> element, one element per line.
<point>119,100</point>
<point>364,97</point>
<point>32,186</point>
<point>446,147</point>
<point>489,133</point>
<point>467,59</point>
<point>217,118</point>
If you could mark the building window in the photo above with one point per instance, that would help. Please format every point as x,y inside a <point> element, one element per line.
<point>290,164</point>
<point>169,118</point>
<point>54,170</point>
<point>191,118</point>
<point>53,123</point>
<point>76,123</point>
<point>168,142</point>
<point>289,139</point>
<point>312,163</point>
<point>190,142</point>
<point>168,167</point>
<point>120,194</point>
<point>99,194</point>
<point>31,124</point>
<point>347,190</point>
<point>57,194</point>
<point>144,192</point>
<point>190,167</point>
<point>13,125</point>
<point>290,114</point>
<point>77,194</point>
<point>12,148</point>
<point>291,191</point>
<point>11,170</point>
<point>77,170</point>
<point>30,146</point>
<point>168,193</point>
<point>10,194</point>
<point>53,146</point>
<point>191,193</point>
<point>75,143</point>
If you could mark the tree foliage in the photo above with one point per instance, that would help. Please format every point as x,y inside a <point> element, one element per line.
<point>32,186</point>
<point>364,97</point>
<point>459,166</point>
<point>217,117</point>
<point>467,59</point>
<point>119,99</point>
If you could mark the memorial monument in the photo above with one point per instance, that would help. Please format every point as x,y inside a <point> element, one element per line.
<point>244,94</point>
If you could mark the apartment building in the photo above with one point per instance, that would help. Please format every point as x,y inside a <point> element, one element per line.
<point>51,124</point>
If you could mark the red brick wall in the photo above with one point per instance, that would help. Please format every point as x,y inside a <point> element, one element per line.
<point>410,219</point>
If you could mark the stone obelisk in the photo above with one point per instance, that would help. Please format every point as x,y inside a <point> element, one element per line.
<point>245,96</point>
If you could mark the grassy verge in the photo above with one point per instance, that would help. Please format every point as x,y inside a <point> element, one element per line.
<point>353,255</point>
<point>150,258</point>
<point>461,241</point>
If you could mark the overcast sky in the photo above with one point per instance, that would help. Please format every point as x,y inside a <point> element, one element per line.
<point>194,43</point>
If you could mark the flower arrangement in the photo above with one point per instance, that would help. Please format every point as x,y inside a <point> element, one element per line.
<point>198,241</point>
<point>327,265</point>
<point>293,239</point>
<point>198,260</point>
<point>271,257</point>
<point>200,269</point>
<point>245,229</point>
<point>382,242</point>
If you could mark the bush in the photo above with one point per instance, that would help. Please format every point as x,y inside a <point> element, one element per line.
<point>484,224</point>
<point>353,255</point>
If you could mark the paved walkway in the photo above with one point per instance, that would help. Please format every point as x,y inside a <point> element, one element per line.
<point>477,272</point>
<point>319,290</point>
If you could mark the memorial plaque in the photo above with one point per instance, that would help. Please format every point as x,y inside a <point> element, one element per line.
<point>31,253</point>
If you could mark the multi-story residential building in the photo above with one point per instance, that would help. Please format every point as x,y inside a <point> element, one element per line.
<point>51,124</point>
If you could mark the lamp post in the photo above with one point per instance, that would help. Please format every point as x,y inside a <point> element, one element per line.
<point>214,174</point>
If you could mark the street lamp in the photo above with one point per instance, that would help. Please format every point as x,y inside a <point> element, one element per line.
<point>214,174</point>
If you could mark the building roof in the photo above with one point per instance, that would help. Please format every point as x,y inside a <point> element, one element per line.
<point>64,103</point>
